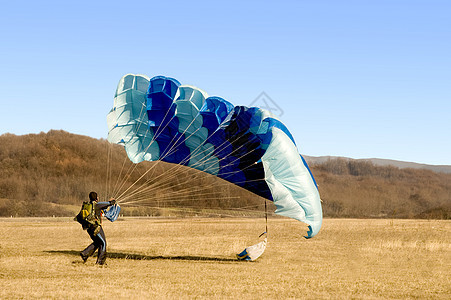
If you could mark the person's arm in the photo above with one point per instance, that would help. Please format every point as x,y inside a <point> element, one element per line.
<point>105,204</point>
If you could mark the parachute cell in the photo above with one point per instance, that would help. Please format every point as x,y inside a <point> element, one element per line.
<point>160,119</point>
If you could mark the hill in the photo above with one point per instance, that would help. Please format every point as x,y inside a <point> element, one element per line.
<point>383,162</point>
<point>51,173</point>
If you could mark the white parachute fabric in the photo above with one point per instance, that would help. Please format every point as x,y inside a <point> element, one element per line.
<point>294,191</point>
<point>253,252</point>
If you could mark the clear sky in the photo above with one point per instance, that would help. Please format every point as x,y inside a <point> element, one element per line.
<point>360,79</point>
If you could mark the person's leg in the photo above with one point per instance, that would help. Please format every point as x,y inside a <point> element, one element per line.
<point>101,242</point>
<point>88,251</point>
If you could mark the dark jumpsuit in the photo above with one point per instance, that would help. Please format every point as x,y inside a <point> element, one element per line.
<point>99,240</point>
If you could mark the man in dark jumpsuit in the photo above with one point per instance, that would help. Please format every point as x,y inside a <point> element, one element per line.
<point>99,240</point>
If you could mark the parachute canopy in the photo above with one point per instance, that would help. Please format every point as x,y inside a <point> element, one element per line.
<point>161,119</point>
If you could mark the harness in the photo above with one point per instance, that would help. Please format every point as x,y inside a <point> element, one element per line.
<point>87,217</point>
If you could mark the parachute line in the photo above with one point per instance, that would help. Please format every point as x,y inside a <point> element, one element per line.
<point>149,188</point>
<point>178,167</point>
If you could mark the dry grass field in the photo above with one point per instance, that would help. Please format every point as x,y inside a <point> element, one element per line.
<point>195,258</point>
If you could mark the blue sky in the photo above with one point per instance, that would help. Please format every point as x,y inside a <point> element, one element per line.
<point>359,79</point>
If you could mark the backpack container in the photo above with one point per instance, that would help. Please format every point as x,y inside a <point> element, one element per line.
<point>86,217</point>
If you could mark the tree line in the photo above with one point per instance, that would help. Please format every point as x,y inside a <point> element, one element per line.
<point>49,174</point>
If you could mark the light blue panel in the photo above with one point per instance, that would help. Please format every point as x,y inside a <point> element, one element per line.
<point>126,132</point>
<point>196,160</point>
<point>137,151</point>
<point>134,149</point>
<point>189,118</point>
<point>141,83</point>
<point>114,136</point>
<point>260,127</point>
<point>211,165</point>
<point>292,186</point>
<point>202,158</point>
<point>128,120</point>
<point>125,83</point>
<point>124,116</point>
<point>111,119</point>
<point>143,130</point>
<point>120,100</point>
<point>192,94</point>
<point>189,102</point>
<point>192,141</point>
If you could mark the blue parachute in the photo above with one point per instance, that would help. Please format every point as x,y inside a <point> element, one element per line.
<point>160,119</point>
<point>112,212</point>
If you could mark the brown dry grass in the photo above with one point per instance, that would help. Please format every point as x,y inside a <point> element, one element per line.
<point>194,258</point>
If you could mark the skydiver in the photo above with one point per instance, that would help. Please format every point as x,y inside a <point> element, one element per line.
<point>95,230</point>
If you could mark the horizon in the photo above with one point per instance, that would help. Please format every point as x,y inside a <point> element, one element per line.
<point>349,79</point>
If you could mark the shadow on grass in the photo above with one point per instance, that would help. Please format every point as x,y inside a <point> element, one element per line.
<point>119,255</point>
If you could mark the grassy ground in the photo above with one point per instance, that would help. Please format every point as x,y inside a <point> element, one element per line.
<point>195,258</point>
